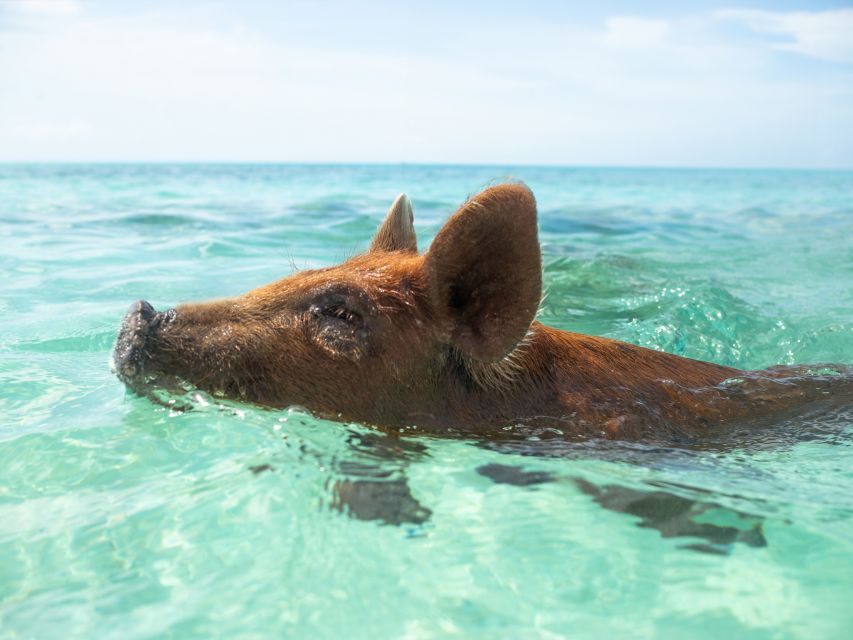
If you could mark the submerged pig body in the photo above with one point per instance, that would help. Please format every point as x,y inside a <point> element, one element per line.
<point>445,342</point>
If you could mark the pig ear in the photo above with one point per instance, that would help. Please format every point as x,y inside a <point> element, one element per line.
<point>485,273</point>
<point>397,232</point>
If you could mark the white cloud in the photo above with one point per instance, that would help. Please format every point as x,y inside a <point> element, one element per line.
<point>820,34</point>
<point>153,86</point>
<point>42,131</point>
<point>44,7</point>
<point>635,32</point>
<point>161,91</point>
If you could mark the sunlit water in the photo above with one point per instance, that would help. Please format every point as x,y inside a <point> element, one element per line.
<point>121,519</point>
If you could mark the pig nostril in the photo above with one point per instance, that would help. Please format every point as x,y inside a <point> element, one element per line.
<point>137,339</point>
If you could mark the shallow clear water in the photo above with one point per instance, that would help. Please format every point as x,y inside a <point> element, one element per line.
<point>119,518</point>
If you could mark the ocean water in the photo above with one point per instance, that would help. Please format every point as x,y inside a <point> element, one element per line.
<point>122,519</point>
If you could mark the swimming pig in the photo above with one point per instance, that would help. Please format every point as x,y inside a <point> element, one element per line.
<point>444,342</point>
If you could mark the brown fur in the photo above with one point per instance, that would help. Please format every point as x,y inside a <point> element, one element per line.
<point>445,342</point>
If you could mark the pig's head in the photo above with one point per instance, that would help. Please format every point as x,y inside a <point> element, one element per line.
<point>382,338</point>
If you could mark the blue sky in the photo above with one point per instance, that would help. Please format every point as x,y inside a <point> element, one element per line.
<point>737,84</point>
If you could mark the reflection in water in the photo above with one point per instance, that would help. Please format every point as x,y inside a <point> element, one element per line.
<point>677,517</point>
<point>516,476</point>
<point>672,515</point>
<point>378,489</point>
<point>372,493</point>
<point>374,486</point>
<point>388,501</point>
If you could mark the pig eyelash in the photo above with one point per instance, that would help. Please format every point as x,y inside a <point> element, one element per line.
<point>341,312</point>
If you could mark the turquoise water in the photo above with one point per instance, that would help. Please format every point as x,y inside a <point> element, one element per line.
<point>121,519</point>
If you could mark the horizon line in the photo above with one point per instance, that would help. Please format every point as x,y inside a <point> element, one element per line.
<point>339,163</point>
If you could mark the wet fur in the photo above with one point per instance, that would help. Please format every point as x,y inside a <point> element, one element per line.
<point>447,343</point>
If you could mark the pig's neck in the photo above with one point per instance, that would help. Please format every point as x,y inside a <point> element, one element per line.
<point>557,377</point>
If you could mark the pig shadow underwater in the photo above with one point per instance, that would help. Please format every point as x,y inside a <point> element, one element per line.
<point>446,344</point>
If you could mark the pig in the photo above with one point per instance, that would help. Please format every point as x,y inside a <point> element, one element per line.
<point>445,343</point>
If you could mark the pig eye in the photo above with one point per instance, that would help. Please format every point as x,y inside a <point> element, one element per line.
<point>338,329</point>
<point>341,312</point>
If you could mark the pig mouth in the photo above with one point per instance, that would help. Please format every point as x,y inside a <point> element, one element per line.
<point>132,358</point>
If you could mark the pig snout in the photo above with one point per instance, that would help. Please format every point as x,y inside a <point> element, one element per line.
<point>138,329</point>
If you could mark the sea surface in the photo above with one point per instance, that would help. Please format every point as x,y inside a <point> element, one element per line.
<point>121,518</point>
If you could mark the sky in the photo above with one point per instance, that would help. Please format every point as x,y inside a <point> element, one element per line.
<point>700,84</point>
